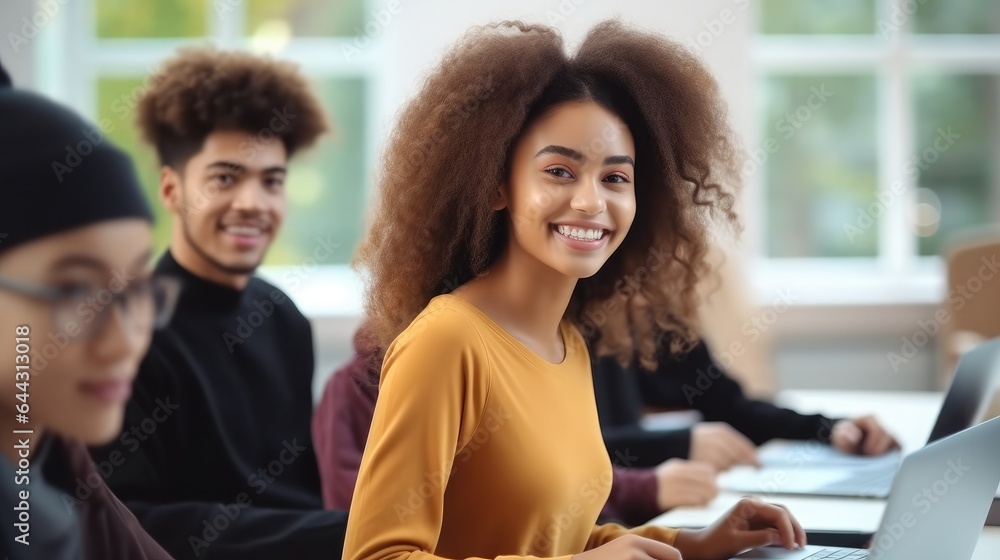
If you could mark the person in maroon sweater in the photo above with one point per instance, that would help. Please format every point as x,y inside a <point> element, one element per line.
<point>344,415</point>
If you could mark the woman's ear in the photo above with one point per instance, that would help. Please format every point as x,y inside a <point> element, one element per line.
<point>500,202</point>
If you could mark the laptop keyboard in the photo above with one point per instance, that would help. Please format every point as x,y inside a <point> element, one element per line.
<point>839,554</point>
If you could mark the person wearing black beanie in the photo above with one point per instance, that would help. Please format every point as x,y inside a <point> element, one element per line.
<point>79,306</point>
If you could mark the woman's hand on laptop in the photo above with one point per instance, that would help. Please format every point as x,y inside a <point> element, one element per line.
<point>862,436</point>
<point>751,523</point>
<point>631,547</point>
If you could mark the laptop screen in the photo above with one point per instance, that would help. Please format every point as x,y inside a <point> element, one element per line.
<point>971,390</point>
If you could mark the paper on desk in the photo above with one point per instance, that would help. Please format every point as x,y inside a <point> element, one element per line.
<point>675,420</point>
<point>811,453</point>
<point>771,480</point>
<point>827,514</point>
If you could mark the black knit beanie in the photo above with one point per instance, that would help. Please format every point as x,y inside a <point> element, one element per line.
<point>57,171</point>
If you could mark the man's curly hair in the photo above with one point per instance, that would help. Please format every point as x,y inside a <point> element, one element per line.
<point>432,227</point>
<point>202,90</point>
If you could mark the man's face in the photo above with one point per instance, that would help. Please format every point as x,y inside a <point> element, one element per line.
<point>228,204</point>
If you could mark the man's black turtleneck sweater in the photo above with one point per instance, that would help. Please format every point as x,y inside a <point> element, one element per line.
<point>216,457</point>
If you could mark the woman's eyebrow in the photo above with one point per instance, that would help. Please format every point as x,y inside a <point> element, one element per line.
<point>578,156</point>
<point>563,151</point>
<point>76,260</point>
<point>615,160</point>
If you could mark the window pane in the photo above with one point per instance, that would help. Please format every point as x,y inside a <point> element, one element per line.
<point>956,140</point>
<point>817,16</point>
<point>327,190</point>
<point>128,18</point>
<point>952,16</point>
<point>116,100</point>
<point>307,18</point>
<point>326,184</point>
<point>820,160</point>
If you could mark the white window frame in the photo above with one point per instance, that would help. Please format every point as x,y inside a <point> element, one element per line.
<point>897,274</point>
<point>71,58</point>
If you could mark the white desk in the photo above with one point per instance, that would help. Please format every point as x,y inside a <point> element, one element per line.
<point>909,416</point>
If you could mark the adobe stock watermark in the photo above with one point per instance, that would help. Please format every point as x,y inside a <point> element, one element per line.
<point>247,151</point>
<point>624,288</point>
<point>958,297</point>
<point>563,11</point>
<point>597,145</point>
<point>789,123</point>
<point>713,28</point>
<point>322,251</point>
<point>375,26</point>
<point>434,483</point>
<point>225,8</point>
<point>943,142</point>
<point>131,439</point>
<point>798,457</point>
<point>93,136</point>
<point>123,105</point>
<point>248,148</point>
<point>900,14</point>
<point>264,308</point>
<point>227,514</point>
<point>754,328</point>
<point>87,311</point>
<point>456,116</point>
<point>592,493</point>
<point>923,501</point>
<point>48,10</point>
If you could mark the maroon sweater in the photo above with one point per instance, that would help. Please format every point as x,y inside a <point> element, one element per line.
<point>343,418</point>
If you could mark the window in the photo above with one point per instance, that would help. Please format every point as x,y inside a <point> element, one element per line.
<point>884,119</point>
<point>119,42</point>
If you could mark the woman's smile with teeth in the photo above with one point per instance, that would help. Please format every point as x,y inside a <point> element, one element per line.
<point>580,234</point>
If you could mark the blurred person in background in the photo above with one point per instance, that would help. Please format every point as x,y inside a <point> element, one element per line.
<point>79,306</point>
<point>734,425</point>
<point>220,458</point>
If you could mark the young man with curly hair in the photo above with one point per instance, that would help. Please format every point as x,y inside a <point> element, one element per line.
<point>216,458</point>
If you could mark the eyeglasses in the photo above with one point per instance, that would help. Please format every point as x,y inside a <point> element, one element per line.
<point>82,310</point>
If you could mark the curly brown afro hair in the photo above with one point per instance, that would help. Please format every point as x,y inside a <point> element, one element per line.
<point>201,90</point>
<point>432,227</point>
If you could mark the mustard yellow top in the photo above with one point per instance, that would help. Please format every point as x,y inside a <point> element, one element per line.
<point>480,448</point>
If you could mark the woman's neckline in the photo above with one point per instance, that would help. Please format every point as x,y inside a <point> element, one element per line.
<point>521,346</point>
